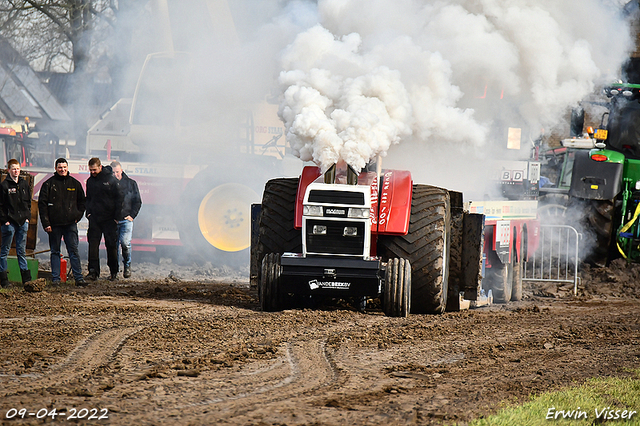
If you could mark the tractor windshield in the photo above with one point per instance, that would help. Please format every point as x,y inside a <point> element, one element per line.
<point>159,91</point>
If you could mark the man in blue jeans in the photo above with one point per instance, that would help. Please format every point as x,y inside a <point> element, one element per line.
<point>61,204</point>
<point>15,211</point>
<point>127,211</point>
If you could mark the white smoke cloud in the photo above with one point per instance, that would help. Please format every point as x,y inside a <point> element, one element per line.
<point>375,73</point>
<point>353,109</point>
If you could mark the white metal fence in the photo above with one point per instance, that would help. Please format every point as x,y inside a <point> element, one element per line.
<point>557,257</point>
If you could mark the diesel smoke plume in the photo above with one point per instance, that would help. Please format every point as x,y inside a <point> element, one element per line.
<point>371,74</point>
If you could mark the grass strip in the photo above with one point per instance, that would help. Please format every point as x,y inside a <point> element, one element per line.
<point>598,400</point>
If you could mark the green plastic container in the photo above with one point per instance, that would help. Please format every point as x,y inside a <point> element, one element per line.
<point>14,269</point>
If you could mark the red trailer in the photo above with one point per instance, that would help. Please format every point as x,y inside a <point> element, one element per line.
<point>512,233</point>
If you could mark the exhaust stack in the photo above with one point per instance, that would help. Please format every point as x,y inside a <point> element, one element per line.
<point>332,175</point>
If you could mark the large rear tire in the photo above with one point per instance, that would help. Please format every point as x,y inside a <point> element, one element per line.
<point>276,232</point>
<point>598,219</point>
<point>426,247</point>
<point>215,217</point>
<point>552,214</point>
<point>397,288</point>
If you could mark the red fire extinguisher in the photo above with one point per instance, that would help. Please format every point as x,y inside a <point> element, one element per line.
<point>63,269</point>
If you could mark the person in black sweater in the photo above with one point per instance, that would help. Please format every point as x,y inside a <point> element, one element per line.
<point>15,211</point>
<point>61,205</point>
<point>103,199</point>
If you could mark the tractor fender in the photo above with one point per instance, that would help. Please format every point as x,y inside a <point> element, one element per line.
<point>308,175</point>
<point>396,189</point>
<point>595,180</point>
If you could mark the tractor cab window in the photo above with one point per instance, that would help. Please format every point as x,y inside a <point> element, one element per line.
<point>567,170</point>
<point>15,150</point>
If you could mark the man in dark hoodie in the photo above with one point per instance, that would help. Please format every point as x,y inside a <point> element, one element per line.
<point>103,199</point>
<point>61,205</point>
<point>15,211</point>
<point>127,211</point>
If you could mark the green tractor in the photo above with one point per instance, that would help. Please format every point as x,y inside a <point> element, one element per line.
<point>607,178</point>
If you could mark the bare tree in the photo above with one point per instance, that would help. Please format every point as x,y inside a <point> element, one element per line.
<point>56,35</point>
<point>72,36</point>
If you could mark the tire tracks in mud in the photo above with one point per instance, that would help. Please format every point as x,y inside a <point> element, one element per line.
<point>94,352</point>
<point>305,370</point>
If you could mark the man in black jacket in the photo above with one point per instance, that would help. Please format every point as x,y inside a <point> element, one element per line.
<point>15,211</point>
<point>61,205</point>
<point>127,211</point>
<point>103,199</point>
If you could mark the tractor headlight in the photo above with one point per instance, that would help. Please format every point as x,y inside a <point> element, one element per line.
<point>350,231</point>
<point>319,230</point>
<point>358,213</point>
<point>312,210</point>
<point>638,185</point>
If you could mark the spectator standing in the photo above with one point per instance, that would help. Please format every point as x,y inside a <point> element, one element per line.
<point>15,211</point>
<point>127,211</point>
<point>61,204</point>
<point>103,199</point>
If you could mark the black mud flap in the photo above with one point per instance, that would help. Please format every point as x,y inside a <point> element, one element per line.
<point>254,262</point>
<point>455,252</point>
<point>472,245</point>
<point>595,180</point>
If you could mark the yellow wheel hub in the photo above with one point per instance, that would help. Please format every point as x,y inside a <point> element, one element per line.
<point>224,216</point>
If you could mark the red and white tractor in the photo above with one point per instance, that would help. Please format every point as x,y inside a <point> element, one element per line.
<point>344,234</point>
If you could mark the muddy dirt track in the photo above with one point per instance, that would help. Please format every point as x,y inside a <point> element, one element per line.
<point>189,353</point>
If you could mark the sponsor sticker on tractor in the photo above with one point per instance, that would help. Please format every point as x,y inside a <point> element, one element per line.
<point>503,233</point>
<point>315,284</point>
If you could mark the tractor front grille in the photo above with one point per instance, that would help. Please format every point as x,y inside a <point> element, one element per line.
<point>336,197</point>
<point>334,241</point>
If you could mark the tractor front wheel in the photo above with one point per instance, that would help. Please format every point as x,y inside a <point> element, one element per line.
<point>268,291</point>
<point>397,288</point>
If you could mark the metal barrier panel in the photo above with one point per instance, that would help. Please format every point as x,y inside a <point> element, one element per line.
<point>557,257</point>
